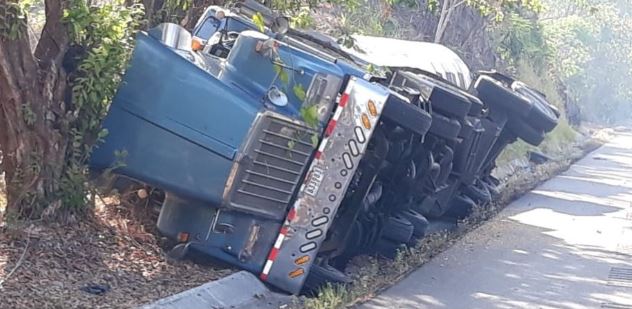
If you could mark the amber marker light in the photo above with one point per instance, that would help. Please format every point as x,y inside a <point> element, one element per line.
<point>297,272</point>
<point>365,121</point>
<point>372,108</point>
<point>302,260</point>
<point>196,44</point>
<point>183,237</point>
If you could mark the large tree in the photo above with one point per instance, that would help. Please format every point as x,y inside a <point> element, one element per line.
<point>32,89</point>
<point>53,95</point>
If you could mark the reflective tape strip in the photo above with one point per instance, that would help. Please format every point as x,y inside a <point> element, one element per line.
<point>343,100</point>
<point>337,114</point>
<point>277,246</point>
<point>330,127</point>
<point>345,96</point>
<point>273,253</point>
<point>266,270</point>
<point>292,213</point>
<point>321,148</point>
<point>290,216</point>
<point>278,242</point>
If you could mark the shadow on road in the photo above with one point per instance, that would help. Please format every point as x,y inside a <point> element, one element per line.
<point>553,248</point>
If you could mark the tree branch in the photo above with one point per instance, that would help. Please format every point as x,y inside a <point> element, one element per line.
<point>54,41</point>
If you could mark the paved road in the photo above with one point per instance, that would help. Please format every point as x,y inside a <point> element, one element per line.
<point>566,244</point>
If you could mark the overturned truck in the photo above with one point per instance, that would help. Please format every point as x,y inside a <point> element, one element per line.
<point>281,153</point>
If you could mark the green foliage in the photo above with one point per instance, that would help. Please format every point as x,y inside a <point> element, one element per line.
<point>303,19</point>
<point>299,92</point>
<point>432,5</point>
<point>365,20</point>
<point>310,115</point>
<point>106,34</point>
<point>281,73</point>
<point>496,9</point>
<point>408,3</point>
<point>13,18</point>
<point>591,43</point>
<point>330,296</point>
<point>172,11</point>
<point>257,19</point>
<point>522,39</point>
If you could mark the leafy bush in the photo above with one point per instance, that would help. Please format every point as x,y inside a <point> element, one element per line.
<point>103,38</point>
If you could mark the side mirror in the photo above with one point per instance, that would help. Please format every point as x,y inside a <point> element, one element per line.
<point>280,25</point>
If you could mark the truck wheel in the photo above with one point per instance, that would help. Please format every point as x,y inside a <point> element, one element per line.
<point>493,189</point>
<point>419,222</point>
<point>387,248</point>
<point>497,95</point>
<point>542,115</point>
<point>449,102</point>
<point>460,207</point>
<point>444,127</point>
<point>525,132</point>
<point>406,115</point>
<point>476,108</point>
<point>446,163</point>
<point>397,229</point>
<point>478,193</point>
<point>320,275</point>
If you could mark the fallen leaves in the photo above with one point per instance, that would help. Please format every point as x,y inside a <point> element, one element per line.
<point>112,248</point>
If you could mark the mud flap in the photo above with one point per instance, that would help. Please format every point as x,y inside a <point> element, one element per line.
<point>336,160</point>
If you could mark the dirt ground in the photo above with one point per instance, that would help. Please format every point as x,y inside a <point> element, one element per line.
<point>111,260</point>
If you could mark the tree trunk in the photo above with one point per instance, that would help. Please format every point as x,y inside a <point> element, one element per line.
<point>445,7</point>
<point>32,87</point>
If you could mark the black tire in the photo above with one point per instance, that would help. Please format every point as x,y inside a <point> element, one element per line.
<point>387,248</point>
<point>556,111</point>
<point>406,115</point>
<point>478,192</point>
<point>446,163</point>
<point>444,127</point>
<point>460,207</point>
<point>397,229</point>
<point>498,95</point>
<point>493,189</point>
<point>449,102</point>
<point>477,106</point>
<point>542,115</point>
<point>467,128</point>
<point>419,222</point>
<point>320,275</point>
<point>525,132</point>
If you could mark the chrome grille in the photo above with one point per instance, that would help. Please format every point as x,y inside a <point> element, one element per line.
<point>272,167</point>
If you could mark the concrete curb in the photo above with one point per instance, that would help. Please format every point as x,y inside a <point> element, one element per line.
<point>239,290</point>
